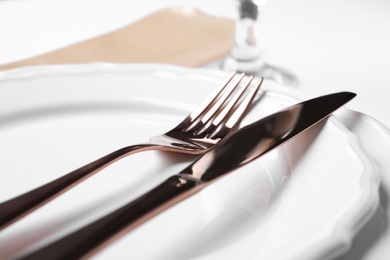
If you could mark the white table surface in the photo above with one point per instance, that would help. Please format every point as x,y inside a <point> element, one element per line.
<point>329,45</point>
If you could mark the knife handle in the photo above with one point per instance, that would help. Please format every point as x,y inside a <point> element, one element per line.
<point>14,209</point>
<point>95,235</point>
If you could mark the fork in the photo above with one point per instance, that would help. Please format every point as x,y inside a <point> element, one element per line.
<point>205,126</point>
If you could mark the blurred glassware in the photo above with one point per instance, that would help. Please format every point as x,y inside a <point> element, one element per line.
<point>245,55</point>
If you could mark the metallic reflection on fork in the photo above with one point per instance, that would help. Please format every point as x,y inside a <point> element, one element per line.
<point>204,127</point>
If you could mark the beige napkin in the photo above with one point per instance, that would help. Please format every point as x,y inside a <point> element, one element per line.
<point>181,36</point>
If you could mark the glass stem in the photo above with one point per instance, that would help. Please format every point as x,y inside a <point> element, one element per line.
<point>246,46</point>
<point>245,55</point>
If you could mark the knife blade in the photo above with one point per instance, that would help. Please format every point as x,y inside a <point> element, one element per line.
<point>247,144</point>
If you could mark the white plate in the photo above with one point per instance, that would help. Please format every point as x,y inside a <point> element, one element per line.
<point>372,242</point>
<point>307,199</point>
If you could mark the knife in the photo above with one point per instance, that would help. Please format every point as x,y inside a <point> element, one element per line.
<point>245,145</point>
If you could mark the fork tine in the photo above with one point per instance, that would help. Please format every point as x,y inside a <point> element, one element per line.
<point>205,104</point>
<point>206,127</point>
<point>221,116</point>
<point>212,111</point>
<point>233,119</point>
<point>210,98</point>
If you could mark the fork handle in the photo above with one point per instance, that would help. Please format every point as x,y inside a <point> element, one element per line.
<point>15,208</point>
<point>89,239</point>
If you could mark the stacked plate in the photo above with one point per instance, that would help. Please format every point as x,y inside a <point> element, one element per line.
<point>306,200</point>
